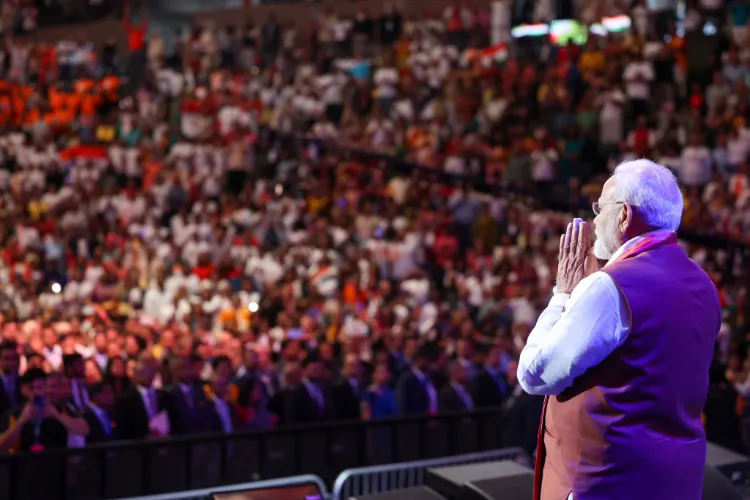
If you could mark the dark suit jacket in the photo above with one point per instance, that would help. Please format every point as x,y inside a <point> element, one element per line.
<point>300,407</point>
<point>6,404</point>
<point>131,418</point>
<point>450,401</point>
<point>97,432</point>
<point>185,417</point>
<point>520,421</point>
<point>216,423</point>
<point>412,397</point>
<point>398,365</point>
<point>486,390</point>
<point>346,401</point>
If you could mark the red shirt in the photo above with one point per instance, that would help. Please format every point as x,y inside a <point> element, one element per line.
<point>204,272</point>
<point>136,35</point>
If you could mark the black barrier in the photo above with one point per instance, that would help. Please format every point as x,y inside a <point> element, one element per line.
<point>126,469</point>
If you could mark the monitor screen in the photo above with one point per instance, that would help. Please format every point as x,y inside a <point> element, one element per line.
<point>292,492</point>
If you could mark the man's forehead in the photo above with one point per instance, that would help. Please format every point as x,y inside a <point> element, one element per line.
<point>607,189</point>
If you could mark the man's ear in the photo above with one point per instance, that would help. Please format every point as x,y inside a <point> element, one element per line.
<point>625,218</point>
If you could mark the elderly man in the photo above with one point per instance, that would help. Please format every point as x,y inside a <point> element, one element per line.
<point>622,352</point>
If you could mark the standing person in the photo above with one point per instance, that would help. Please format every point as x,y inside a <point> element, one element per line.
<point>348,390</point>
<point>98,413</point>
<point>455,396</point>
<point>137,406</point>
<point>10,390</point>
<point>75,369</point>
<point>310,400</point>
<point>137,66</point>
<point>415,391</point>
<point>490,385</point>
<point>623,353</point>
<point>380,401</point>
<point>187,408</point>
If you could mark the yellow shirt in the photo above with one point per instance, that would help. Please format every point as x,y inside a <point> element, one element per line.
<point>105,133</point>
<point>316,204</point>
<point>37,209</point>
<point>593,61</point>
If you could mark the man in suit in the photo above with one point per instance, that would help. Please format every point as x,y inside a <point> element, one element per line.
<point>257,374</point>
<point>10,389</point>
<point>224,417</point>
<point>490,386</point>
<point>455,396</point>
<point>277,405</point>
<point>135,407</point>
<point>75,369</point>
<point>348,389</point>
<point>187,407</point>
<point>97,413</point>
<point>397,362</point>
<point>415,392</point>
<point>521,413</point>
<point>309,401</point>
<point>465,354</point>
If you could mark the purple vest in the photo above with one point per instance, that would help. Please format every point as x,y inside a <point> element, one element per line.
<point>630,428</point>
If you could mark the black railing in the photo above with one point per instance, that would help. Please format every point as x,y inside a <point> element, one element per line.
<point>125,469</point>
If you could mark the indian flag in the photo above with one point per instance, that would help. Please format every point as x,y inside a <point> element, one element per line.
<point>484,58</point>
<point>497,54</point>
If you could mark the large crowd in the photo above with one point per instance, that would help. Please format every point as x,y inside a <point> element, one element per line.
<point>220,240</point>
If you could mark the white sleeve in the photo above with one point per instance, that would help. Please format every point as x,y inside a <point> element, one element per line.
<point>573,334</point>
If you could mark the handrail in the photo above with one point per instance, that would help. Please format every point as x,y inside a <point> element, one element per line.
<point>270,483</point>
<point>342,490</point>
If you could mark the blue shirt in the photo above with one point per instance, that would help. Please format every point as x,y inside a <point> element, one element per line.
<point>383,404</point>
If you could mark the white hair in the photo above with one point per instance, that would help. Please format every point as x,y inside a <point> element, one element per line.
<point>652,191</point>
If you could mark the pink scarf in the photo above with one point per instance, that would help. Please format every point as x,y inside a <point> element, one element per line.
<point>646,243</point>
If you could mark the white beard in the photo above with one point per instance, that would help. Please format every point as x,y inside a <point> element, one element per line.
<point>606,245</point>
<point>600,252</point>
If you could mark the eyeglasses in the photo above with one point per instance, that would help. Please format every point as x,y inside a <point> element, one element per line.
<point>597,207</point>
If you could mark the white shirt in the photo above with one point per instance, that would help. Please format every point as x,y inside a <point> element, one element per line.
<point>638,76</point>
<point>695,168</point>
<point>575,332</point>
<point>386,79</point>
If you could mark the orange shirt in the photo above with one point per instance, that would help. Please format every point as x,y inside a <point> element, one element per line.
<point>73,102</point>
<point>89,104</point>
<point>20,96</point>
<point>56,98</point>
<point>84,85</point>
<point>33,116</point>
<point>151,171</point>
<point>110,86</point>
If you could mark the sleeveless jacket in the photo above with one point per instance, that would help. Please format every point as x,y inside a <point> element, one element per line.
<point>630,428</point>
